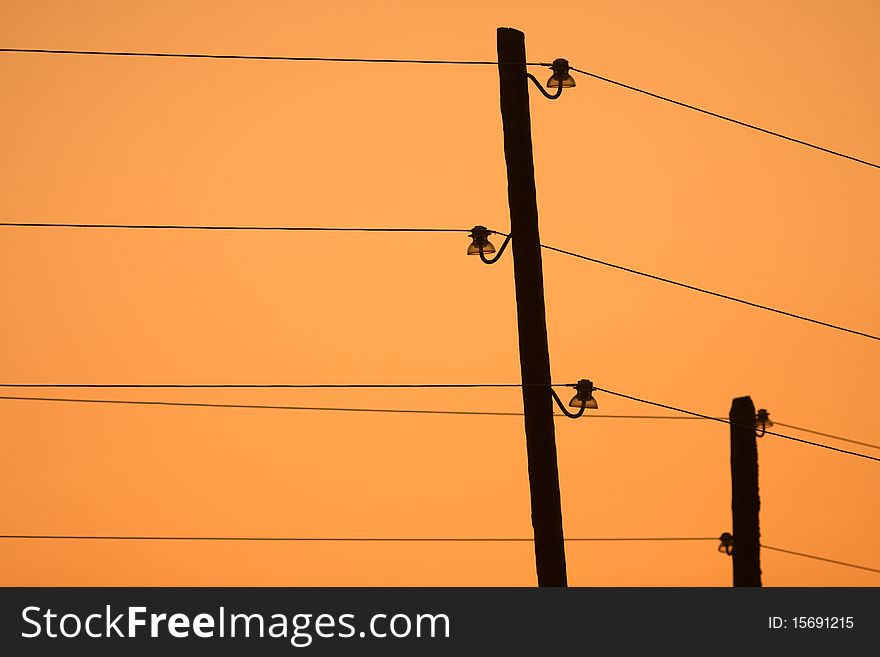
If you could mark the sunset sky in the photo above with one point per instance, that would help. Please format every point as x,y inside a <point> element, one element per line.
<point>620,177</point>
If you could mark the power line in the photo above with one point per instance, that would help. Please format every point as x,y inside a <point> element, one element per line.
<point>710,292</point>
<point>426,61</point>
<point>438,230</point>
<point>726,118</point>
<point>196,227</point>
<point>405,539</point>
<point>826,559</point>
<point>334,386</point>
<point>278,58</point>
<point>256,406</point>
<point>348,539</point>
<point>827,435</point>
<point>244,386</point>
<point>688,414</point>
<point>326,408</point>
<point>822,445</point>
<point>726,421</point>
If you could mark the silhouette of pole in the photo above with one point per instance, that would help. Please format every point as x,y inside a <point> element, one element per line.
<point>531,318</point>
<point>746,503</point>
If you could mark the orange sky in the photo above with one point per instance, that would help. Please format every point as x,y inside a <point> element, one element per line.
<point>620,177</point>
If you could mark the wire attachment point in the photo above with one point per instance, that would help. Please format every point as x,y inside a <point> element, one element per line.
<point>762,421</point>
<point>480,244</point>
<point>560,79</point>
<point>582,400</point>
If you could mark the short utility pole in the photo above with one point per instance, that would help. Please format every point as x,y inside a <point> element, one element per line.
<point>746,503</point>
<point>531,316</point>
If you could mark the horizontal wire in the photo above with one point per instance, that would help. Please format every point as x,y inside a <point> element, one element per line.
<point>711,293</point>
<point>826,559</point>
<point>406,539</point>
<point>443,230</point>
<point>326,408</point>
<point>726,421</point>
<point>688,414</point>
<point>243,386</point>
<point>827,435</point>
<point>246,386</point>
<point>279,58</point>
<point>435,230</point>
<point>727,118</point>
<point>52,51</point>
<point>255,406</point>
<point>8,224</point>
<point>359,539</point>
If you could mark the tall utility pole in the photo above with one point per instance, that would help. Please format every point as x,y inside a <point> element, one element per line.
<point>746,503</point>
<point>531,318</point>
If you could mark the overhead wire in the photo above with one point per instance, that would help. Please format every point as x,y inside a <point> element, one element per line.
<point>281,386</point>
<point>9,224</point>
<point>827,435</point>
<point>372,60</point>
<point>727,421</point>
<point>279,58</point>
<point>719,295</point>
<point>685,412</point>
<point>406,539</point>
<point>751,126</point>
<point>319,386</point>
<point>140,402</point>
<point>352,539</point>
<point>604,263</point>
<point>826,559</point>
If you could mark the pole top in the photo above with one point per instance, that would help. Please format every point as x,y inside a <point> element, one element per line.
<point>742,406</point>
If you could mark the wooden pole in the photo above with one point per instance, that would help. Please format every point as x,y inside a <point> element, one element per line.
<point>746,502</point>
<point>531,317</point>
